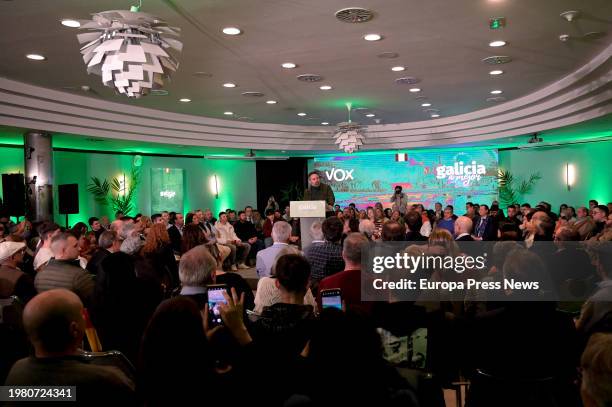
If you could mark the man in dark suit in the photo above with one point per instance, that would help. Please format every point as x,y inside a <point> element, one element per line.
<point>108,243</point>
<point>175,230</point>
<point>486,228</point>
<point>512,213</point>
<point>463,228</point>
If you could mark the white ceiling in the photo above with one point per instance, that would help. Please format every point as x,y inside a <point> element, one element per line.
<point>441,42</point>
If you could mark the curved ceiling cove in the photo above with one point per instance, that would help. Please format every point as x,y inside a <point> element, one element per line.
<point>420,84</point>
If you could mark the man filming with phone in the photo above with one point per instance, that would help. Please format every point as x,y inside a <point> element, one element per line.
<point>399,200</point>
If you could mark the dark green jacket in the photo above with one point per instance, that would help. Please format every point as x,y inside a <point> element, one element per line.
<point>323,193</point>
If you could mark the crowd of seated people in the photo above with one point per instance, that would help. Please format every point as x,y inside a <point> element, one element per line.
<point>144,282</point>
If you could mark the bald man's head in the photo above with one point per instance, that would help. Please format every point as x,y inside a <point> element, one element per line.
<point>54,322</point>
<point>463,224</point>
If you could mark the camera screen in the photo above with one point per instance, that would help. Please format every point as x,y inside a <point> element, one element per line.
<point>215,297</point>
<point>333,301</point>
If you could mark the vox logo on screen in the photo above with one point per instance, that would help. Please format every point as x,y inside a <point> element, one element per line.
<point>338,174</point>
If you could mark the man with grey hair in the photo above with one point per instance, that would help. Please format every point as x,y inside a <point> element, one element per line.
<point>63,271</point>
<point>107,243</point>
<point>463,228</point>
<point>196,271</point>
<point>367,227</point>
<point>348,280</point>
<point>281,232</point>
<point>55,326</point>
<point>131,241</point>
<point>316,233</point>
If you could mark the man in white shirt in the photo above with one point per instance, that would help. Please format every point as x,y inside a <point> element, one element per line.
<point>281,232</point>
<point>226,236</point>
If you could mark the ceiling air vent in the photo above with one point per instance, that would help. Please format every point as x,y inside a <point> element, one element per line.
<point>407,80</point>
<point>388,55</point>
<point>594,35</point>
<point>497,60</point>
<point>309,77</point>
<point>253,94</point>
<point>202,74</point>
<point>354,15</point>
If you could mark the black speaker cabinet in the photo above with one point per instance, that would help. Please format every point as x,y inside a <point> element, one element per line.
<point>68,197</point>
<point>13,194</point>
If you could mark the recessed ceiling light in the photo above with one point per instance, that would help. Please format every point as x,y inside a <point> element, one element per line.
<point>497,43</point>
<point>496,72</point>
<point>426,104</point>
<point>271,102</point>
<point>497,92</point>
<point>370,115</point>
<point>372,37</point>
<point>325,123</point>
<point>228,113</point>
<point>289,65</point>
<point>71,23</point>
<point>232,31</point>
<point>184,100</point>
<point>36,57</point>
<point>397,68</point>
<point>414,90</point>
<point>229,85</point>
<point>433,116</point>
<point>325,87</point>
<point>301,114</point>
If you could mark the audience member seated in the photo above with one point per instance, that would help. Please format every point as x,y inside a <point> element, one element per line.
<point>448,220</point>
<point>107,243</point>
<point>54,323</point>
<point>63,270</point>
<point>46,231</point>
<point>486,227</point>
<point>368,228</point>
<point>284,327</point>
<point>198,268</point>
<point>348,280</point>
<point>596,366</point>
<point>176,364</point>
<point>13,281</point>
<point>175,230</point>
<point>96,226</point>
<point>570,262</point>
<point>226,236</point>
<point>414,221</point>
<point>392,232</point>
<point>268,293</point>
<point>463,229</point>
<point>600,216</point>
<point>348,346</point>
<point>245,230</point>
<point>281,233</point>
<point>596,314</point>
<point>513,215</point>
<point>326,258</point>
<point>267,227</point>
<point>125,297</point>
<point>157,252</point>
<point>522,340</point>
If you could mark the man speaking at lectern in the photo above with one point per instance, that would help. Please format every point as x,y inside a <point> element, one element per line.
<point>318,191</point>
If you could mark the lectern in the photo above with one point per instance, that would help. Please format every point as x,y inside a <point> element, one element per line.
<point>308,212</point>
